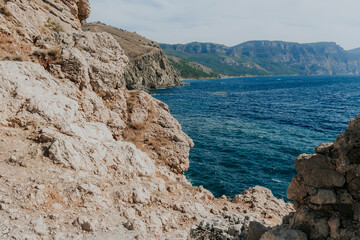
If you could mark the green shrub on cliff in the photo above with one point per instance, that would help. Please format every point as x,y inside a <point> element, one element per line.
<point>187,71</point>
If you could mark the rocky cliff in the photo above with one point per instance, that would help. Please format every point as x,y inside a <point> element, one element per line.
<point>82,157</point>
<point>148,66</point>
<point>270,58</point>
<point>327,187</point>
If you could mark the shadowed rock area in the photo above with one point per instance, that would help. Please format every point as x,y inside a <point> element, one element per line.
<point>326,189</point>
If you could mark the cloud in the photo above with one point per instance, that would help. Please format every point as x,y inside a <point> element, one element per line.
<point>231,22</point>
<point>151,3</point>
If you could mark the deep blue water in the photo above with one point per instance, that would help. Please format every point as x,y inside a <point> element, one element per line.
<point>248,131</point>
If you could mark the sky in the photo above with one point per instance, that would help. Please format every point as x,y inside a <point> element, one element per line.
<point>232,22</point>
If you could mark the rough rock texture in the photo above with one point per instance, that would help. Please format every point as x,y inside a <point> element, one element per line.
<point>81,157</point>
<point>91,60</point>
<point>260,203</point>
<point>53,38</point>
<point>83,9</point>
<point>262,200</point>
<point>66,174</point>
<point>226,226</point>
<point>148,66</point>
<point>280,233</point>
<point>326,190</point>
<point>151,127</point>
<point>23,21</point>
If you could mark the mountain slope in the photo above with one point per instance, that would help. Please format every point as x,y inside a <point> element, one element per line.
<point>270,58</point>
<point>148,66</point>
<point>191,70</point>
<point>355,51</point>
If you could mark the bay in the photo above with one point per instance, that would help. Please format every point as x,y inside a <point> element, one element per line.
<point>248,131</point>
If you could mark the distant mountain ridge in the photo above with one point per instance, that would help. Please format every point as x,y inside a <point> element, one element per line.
<point>261,58</point>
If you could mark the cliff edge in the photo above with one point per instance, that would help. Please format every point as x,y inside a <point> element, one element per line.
<point>81,156</point>
<point>148,67</point>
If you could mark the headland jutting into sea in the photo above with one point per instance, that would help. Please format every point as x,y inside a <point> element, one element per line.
<point>85,153</point>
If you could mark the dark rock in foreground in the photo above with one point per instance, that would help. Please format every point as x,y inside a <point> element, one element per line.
<point>326,190</point>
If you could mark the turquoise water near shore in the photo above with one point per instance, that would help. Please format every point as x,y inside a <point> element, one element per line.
<point>248,131</point>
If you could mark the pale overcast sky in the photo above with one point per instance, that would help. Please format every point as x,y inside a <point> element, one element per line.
<point>231,22</point>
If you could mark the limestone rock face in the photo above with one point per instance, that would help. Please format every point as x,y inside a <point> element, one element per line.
<point>227,226</point>
<point>151,128</point>
<point>151,71</point>
<point>82,157</point>
<point>23,21</point>
<point>67,161</point>
<point>327,188</point>
<point>91,60</point>
<point>83,9</point>
<point>263,200</point>
<point>260,204</point>
<point>148,66</point>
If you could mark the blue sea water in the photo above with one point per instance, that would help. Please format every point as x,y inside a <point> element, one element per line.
<point>248,131</point>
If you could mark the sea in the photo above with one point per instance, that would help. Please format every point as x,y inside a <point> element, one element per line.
<point>248,131</point>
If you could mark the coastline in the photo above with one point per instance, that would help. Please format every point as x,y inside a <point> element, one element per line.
<point>254,76</point>
<point>84,155</point>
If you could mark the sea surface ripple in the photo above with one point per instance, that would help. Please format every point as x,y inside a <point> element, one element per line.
<point>248,131</point>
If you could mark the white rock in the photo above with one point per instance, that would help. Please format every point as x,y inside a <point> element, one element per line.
<point>140,195</point>
<point>135,224</point>
<point>39,226</point>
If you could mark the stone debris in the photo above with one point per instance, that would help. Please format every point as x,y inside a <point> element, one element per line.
<point>261,200</point>
<point>280,233</point>
<point>225,226</point>
<point>84,223</point>
<point>229,226</point>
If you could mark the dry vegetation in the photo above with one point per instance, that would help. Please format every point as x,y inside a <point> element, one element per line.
<point>5,11</point>
<point>137,132</point>
<point>133,44</point>
<point>47,57</point>
<point>11,50</point>
<point>54,26</point>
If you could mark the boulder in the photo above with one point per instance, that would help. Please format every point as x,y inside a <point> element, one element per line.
<point>84,223</point>
<point>280,233</point>
<point>323,196</point>
<point>225,226</point>
<point>330,178</point>
<point>317,171</point>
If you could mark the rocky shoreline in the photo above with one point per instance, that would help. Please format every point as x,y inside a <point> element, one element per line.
<point>84,157</point>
